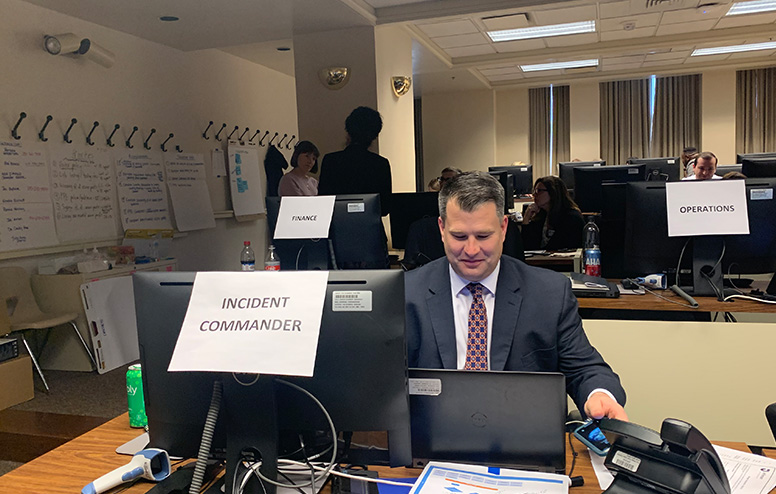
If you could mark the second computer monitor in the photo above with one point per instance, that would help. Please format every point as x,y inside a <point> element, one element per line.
<point>660,169</point>
<point>588,182</point>
<point>758,168</point>
<point>566,170</point>
<point>522,177</point>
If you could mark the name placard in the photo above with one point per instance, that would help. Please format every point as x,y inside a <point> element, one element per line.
<point>256,322</point>
<point>304,217</point>
<point>709,207</point>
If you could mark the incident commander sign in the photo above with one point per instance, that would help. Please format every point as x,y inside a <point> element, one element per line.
<point>256,322</point>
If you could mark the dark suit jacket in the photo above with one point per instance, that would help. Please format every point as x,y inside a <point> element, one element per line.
<point>568,234</point>
<point>356,170</point>
<point>536,327</point>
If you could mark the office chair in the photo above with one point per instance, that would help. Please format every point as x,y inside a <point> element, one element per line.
<point>26,317</point>
<point>770,415</point>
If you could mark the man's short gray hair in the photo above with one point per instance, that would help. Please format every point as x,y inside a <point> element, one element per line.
<point>470,190</point>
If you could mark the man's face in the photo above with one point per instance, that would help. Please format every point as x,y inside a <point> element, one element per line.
<point>473,241</point>
<point>704,169</point>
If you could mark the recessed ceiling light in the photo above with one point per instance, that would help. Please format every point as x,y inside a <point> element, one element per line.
<point>575,64</point>
<point>752,7</point>
<point>720,50</point>
<point>283,48</point>
<point>169,18</point>
<point>542,31</point>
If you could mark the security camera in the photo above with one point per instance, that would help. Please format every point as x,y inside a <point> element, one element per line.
<point>70,43</point>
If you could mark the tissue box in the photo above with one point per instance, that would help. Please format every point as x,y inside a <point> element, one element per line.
<point>93,266</point>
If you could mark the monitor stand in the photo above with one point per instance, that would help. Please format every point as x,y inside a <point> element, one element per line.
<point>706,251</point>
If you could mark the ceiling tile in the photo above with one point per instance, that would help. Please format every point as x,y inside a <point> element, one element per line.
<point>509,21</point>
<point>562,16</point>
<point>622,66</point>
<point>461,40</point>
<point>685,27</point>
<point>617,23</point>
<point>468,51</point>
<point>622,60</point>
<point>746,20</point>
<point>450,28</point>
<point>672,55</point>
<point>690,15</point>
<point>522,45</point>
<point>659,63</point>
<point>510,77</point>
<point>643,32</point>
<point>502,71</point>
<point>544,73</point>
<point>572,40</point>
<point>614,9</point>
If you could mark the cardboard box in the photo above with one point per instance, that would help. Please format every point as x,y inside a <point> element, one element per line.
<point>16,381</point>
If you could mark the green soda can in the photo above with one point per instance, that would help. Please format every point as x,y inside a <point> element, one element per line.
<point>135,401</point>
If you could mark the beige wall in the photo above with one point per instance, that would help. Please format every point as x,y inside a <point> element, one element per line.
<point>458,130</point>
<point>448,116</point>
<point>150,85</point>
<point>718,133</point>
<point>717,376</point>
<point>393,55</point>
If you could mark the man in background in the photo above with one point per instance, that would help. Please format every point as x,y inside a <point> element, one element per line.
<point>704,167</point>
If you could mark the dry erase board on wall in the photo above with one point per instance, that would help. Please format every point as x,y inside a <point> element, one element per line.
<point>66,194</point>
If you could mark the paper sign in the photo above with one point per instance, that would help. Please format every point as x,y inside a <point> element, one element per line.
<point>708,207</point>
<point>304,217</point>
<point>255,322</point>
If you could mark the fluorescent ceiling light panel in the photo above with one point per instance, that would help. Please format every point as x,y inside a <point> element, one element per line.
<point>542,31</point>
<point>575,64</point>
<point>721,50</point>
<point>753,7</point>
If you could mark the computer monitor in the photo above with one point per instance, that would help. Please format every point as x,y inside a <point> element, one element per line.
<point>566,170</point>
<point>505,179</point>
<point>588,181</point>
<point>360,373</point>
<point>522,177</point>
<point>356,237</point>
<point>407,208</point>
<point>660,169</point>
<point>759,168</point>
<point>649,249</point>
<point>723,170</point>
<point>740,157</point>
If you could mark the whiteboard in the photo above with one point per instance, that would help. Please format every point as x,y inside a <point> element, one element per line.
<point>83,193</point>
<point>142,195</point>
<point>245,179</point>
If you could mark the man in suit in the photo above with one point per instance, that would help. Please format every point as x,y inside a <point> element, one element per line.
<point>476,309</point>
<point>355,169</point>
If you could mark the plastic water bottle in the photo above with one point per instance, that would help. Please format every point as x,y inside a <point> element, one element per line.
<point>247,257</point>
<point>592,249</point>
<point>271,261</point>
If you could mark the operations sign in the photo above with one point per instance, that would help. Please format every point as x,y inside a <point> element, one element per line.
<point>709,207</point>
<point>256,322</point>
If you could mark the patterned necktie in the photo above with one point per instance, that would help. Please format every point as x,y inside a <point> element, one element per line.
<point>477,340</point>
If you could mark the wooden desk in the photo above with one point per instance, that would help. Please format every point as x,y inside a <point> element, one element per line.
<point>68,468</point>
<point>563,263</point>
<point>651,303</point>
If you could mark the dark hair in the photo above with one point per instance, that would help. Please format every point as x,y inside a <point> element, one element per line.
<point>470,190</point>
<point>453,169</point>
<point>303,147</point>
<point>690,150</point>
<point>707,155</point>
<point>363,125</point>
<point>560,199</point>
<point>733,175</point>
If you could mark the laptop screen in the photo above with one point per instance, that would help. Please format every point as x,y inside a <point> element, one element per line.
<point>509,419</point>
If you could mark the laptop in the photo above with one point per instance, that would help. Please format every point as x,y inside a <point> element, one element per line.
<point>504,419</point>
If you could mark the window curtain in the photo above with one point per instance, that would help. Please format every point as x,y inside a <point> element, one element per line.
<point>756,110</point>
<point>624,114</point>
<point>677,117</point>
<point>550,131</point>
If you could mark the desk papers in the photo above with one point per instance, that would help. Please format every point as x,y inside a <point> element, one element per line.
<point>457,478</point>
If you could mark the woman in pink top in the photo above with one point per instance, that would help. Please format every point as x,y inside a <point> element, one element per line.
<point>297,182</point>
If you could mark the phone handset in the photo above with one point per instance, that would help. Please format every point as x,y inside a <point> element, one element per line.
<point>685,439</point>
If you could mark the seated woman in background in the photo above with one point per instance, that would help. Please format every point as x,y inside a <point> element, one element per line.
<point>553,221</point>
<point>297,182</point>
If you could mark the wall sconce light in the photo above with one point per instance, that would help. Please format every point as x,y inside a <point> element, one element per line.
<point>334,77</point>
<point>71,44</point>
<point>401,84</point>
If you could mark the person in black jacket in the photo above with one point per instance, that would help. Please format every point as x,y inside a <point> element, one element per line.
<point>356,170</point>
<point>553,221</point>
